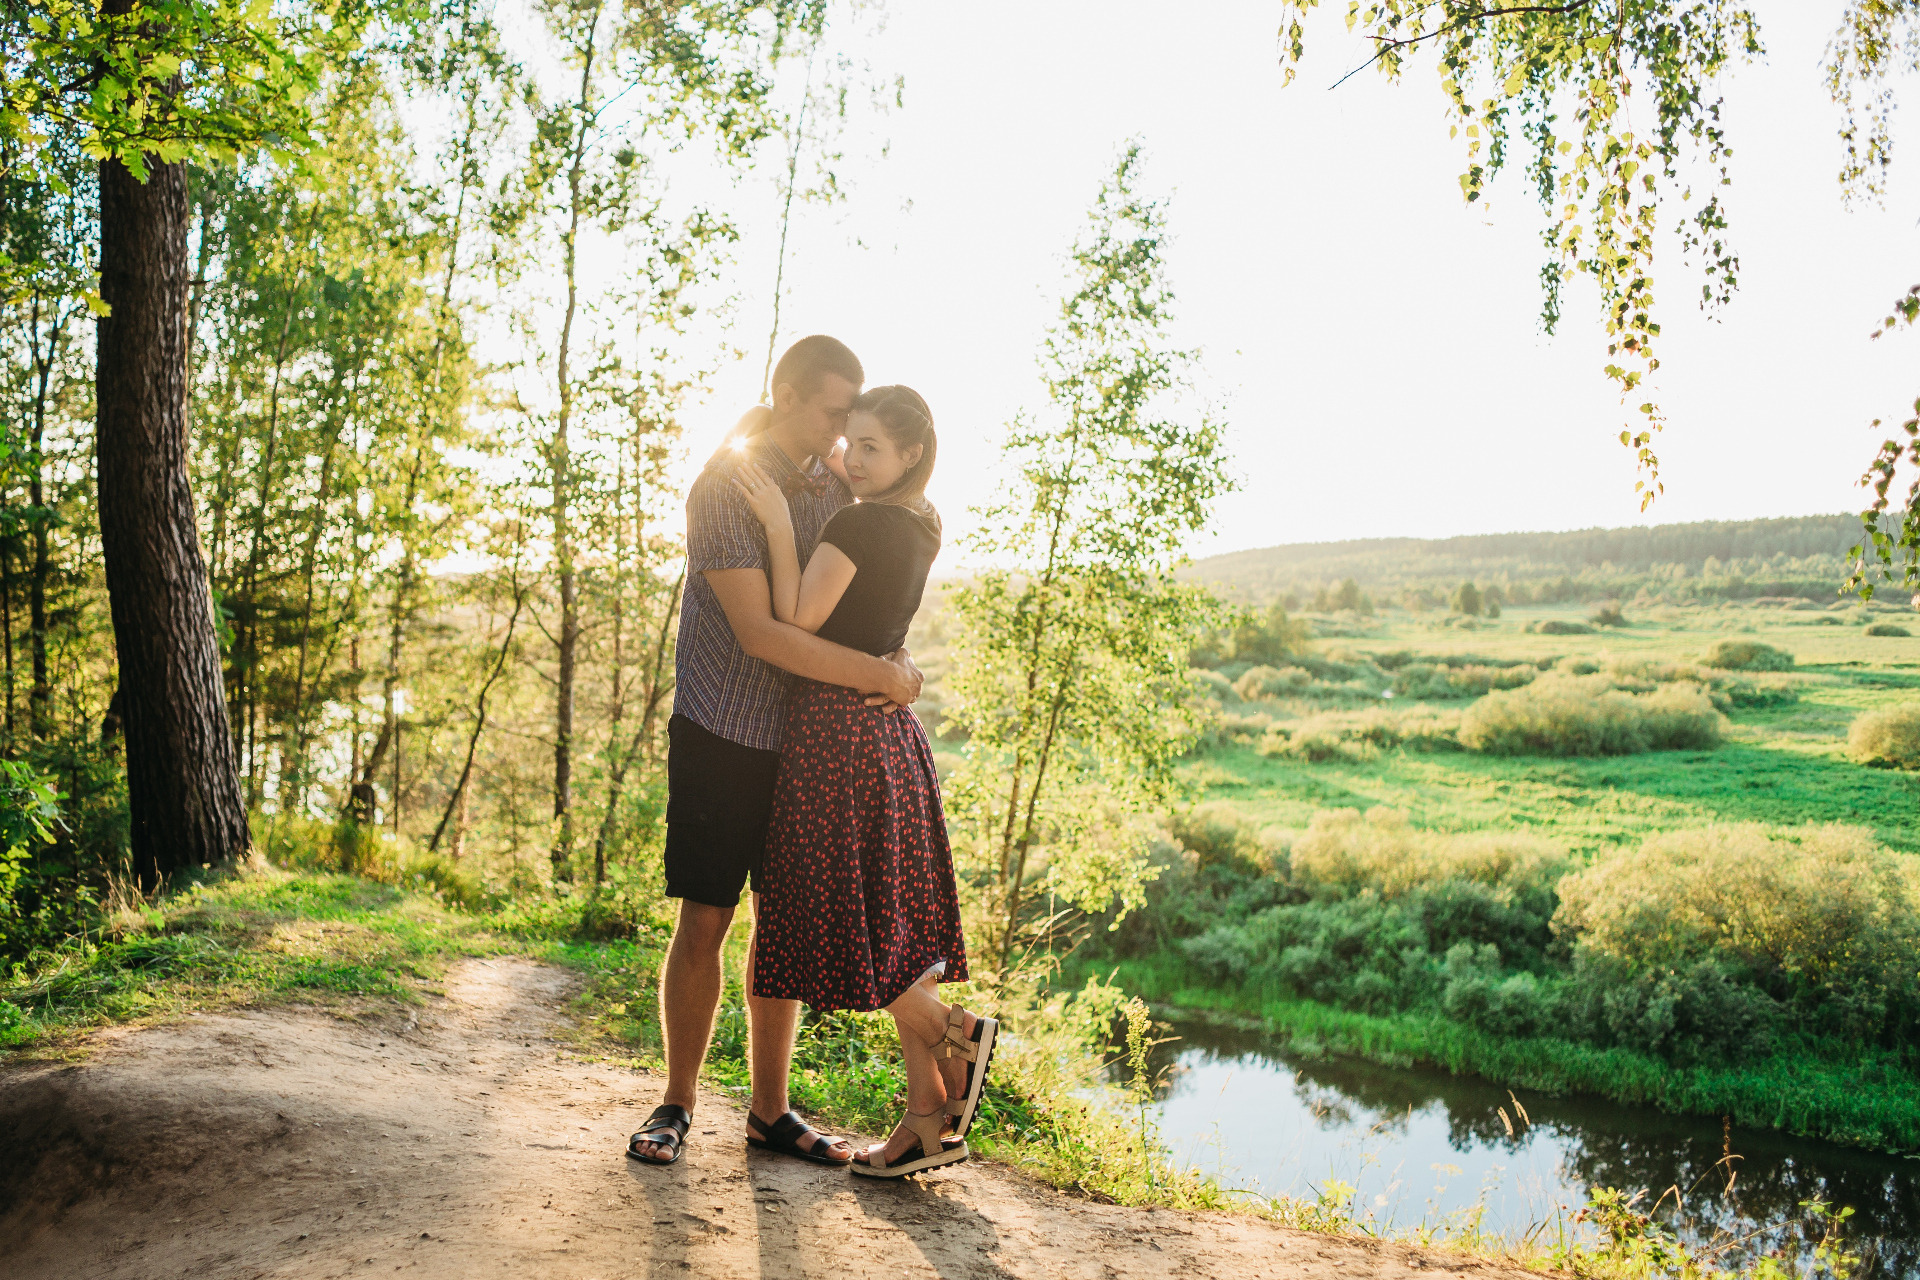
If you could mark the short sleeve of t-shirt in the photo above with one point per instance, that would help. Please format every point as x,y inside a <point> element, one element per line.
<point>854,530</point>
<point>722,531</point>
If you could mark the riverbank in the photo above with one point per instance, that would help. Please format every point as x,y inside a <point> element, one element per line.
<point>1867,1100</point>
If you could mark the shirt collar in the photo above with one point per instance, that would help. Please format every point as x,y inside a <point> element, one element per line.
<point>778,465</point>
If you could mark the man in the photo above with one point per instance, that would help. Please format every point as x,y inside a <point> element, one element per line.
<point>730,697</point>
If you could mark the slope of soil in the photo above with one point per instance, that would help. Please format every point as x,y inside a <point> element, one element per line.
<point>464,1143</point>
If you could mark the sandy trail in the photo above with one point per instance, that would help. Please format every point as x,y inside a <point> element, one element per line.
<point>465,1143</point>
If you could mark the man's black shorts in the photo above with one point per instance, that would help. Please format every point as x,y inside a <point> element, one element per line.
<point>719,796</point>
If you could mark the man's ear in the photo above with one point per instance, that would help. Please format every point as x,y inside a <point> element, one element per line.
<point>785,399</point>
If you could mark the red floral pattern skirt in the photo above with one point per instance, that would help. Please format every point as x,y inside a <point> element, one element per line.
<point>857,897</point>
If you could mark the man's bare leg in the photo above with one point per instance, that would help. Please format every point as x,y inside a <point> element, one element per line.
<point>690,987</point>
<point>770,1029</point>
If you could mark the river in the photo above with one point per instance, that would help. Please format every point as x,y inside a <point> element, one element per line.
<point>1426,1147</point>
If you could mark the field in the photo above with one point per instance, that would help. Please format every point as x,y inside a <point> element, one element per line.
<point>1783,764</point>
<point>1423,955</point>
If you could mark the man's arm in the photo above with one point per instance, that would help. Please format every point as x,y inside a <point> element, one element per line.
<point>749,607</point>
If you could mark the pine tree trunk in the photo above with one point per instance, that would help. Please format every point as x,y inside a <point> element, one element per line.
<point>183,790</point>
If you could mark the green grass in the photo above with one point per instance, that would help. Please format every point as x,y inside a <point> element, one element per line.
<point>263,939</point>
<point>1781,764</point>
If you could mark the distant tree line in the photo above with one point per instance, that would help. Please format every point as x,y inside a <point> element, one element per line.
<point>1801,556</point>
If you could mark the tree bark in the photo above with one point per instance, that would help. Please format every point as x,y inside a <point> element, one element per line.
<point>183,789</point>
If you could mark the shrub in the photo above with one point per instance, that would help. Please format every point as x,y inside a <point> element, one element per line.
<point>1819,917</point>
<point>1361,735</point>
<point>1211,684</point>
<point>30,915</point>
<point>1726,690</point>
<point>311,844</point>
<point>1479,994</point>
<point>1748,655</point>
<point>1427,681</point>
<point>1890,737</point>
<point>1586,716</point>
<point>1383,903</point>
<point>1607,614</point>
<point>1887,629</point>
<point>1272,682</point>
<point>1559,627</point>
<point>1344,851</point>
<point>1698,1013</point>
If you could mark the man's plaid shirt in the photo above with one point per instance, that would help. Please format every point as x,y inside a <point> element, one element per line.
<point>716,685</point>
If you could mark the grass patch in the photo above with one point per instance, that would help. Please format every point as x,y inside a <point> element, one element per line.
<point>261,939</point>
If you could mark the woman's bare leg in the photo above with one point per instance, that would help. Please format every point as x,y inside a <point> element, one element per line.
<point>922,1022</point>
<point>922,1003</point>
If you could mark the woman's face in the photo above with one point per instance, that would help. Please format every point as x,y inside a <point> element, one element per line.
<point>874,463</point>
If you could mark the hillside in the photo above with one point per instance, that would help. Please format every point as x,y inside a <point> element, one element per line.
<point>1720,559</point>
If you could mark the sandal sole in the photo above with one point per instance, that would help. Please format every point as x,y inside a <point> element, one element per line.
<point>952,1155</point>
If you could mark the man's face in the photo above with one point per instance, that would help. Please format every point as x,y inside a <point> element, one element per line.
<point>821,418</point>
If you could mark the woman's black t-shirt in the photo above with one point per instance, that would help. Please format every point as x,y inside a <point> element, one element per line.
<point>892,549</point>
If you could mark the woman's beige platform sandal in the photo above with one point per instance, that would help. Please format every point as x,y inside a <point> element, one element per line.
<point>977,1050</point>
<point>872,1163</point>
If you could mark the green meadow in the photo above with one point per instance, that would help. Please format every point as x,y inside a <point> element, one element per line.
<point>1784,764</point>
<point>1738,955</point>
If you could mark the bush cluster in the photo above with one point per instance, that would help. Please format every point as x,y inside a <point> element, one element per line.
<point>1819,919</point>
<point>1698,946</point>
<point>1587,716</point>
<point>1886,629</point>
<point>1376,909</point>
<point>1748,655</point>
<point>1889,738</point>
<point>1559,627</point>
<point>1727,690</point>
<point>1361,735</point>
<point>1426,681</point>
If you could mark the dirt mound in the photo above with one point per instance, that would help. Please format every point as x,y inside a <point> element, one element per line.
<point>464,1144</point>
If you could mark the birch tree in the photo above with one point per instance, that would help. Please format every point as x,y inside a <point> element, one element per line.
<point>1070,675</point>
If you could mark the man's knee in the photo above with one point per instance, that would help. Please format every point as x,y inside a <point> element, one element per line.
<point>702,929</point>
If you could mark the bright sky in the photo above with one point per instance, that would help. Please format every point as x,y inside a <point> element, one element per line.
<point>1373,342</point>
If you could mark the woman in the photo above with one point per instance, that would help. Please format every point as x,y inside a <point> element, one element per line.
<point>858,908</point>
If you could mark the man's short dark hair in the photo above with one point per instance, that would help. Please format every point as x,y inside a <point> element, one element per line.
<point>809,360</point>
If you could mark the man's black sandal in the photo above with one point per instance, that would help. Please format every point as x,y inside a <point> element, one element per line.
<point>784,1137</point>
<point>666,1127</point>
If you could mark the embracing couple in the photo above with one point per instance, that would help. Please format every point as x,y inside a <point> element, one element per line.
<point>794,766</point>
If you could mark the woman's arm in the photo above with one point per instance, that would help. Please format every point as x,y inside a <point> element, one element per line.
<point>805,602</point>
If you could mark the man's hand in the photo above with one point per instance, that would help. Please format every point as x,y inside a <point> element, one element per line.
<point>905,690</point>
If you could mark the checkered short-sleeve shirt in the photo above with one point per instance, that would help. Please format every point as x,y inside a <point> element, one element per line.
<point>716,684</point>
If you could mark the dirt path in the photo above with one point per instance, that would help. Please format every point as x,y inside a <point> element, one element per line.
<point>465,1144</point>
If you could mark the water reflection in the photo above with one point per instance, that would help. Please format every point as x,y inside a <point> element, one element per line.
<point>1427,1146</point>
